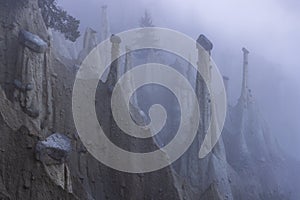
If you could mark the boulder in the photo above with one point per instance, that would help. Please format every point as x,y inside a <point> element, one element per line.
<point>205,43</point>
<point>138,115</point>
<point>54,150</point>
<point>115,39</point>
<point>32,41</point>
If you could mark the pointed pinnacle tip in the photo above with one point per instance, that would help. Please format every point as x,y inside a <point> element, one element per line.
<point>245,50</point>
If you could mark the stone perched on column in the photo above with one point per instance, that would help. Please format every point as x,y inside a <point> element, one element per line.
<point>205,42</point>
<point>115,39</point>
<point>33,42</point>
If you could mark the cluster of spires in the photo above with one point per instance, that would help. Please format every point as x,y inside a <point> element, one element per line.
<point>90,37</point>
<point>207,45</point>
<point>203,41</point>
<point>245,96</point>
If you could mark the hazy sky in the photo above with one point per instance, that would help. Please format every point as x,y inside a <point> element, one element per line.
<point>270,29</point>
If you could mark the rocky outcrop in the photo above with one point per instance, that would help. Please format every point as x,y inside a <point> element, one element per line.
<point>26,102</point>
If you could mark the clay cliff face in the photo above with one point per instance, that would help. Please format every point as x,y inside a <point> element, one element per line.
<point>31,115</point>
<point>26,107</point>
<point>42,156</point>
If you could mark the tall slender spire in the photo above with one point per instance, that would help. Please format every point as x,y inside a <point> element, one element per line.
<point>245,88</point>
<point>89,42</point>
<point>104,34</point>
<point>90,39</point>
<point>128,60</point>
<point>204,46</point>
<point>226,80</point>
<point>128,66</point>
<point>114,72</point>
<point>105,28</point>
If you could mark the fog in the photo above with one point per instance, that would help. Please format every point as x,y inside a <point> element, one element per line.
<point>268,28</point>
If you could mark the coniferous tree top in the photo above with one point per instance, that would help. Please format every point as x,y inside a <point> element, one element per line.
<point>58,19</point>
<point>146,20</point>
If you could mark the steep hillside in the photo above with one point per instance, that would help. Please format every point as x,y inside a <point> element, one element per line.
<point>42,156</point>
